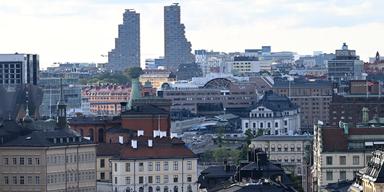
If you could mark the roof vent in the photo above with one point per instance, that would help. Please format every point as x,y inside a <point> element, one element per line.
<point>121,139</point>
<point>140,133</point>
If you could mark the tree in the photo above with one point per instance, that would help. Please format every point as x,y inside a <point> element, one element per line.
<point>133,72</point>
<point>248,136</point>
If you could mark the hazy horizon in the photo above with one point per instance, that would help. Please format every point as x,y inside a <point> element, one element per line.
<point>82,31</point>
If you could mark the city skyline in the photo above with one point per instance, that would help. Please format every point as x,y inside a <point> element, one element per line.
<point>82,31</point>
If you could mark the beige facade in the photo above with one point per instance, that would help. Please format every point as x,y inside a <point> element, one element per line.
<point>104,170</point>
<point>160,175</point>
<point>56,168</point>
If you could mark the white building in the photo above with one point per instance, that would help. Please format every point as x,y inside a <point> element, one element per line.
<point>155,165</point>
<point>274,115</point>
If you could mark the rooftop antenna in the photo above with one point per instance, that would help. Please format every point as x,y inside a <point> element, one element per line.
<point>27,103</point>
<point>50,101</point>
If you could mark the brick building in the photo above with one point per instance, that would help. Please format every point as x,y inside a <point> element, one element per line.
<point>313,98</point>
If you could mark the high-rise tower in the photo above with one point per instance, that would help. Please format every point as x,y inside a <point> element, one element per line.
<point>177,49</point>
<point>127,45</point>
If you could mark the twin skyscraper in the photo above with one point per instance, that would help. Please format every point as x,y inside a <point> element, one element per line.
<point>177,49</point>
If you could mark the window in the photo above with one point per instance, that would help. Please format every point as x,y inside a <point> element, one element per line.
<point>279,149</point>
<point>166,189</point>
<point>115,180</point>
<point>141,180</point>
<point>276,124</point>
<point>329,175</point>
<point>102,176</point>
<point>272,148</point>
<point>14,160</point>
<point>6,180</point>
<point>189,188</point>
<point>175,189</point>
<point>189,165</point>
<point>127,167</point>
<point>343,175</point>
<point>127,180</point>
<point>37,160</point>
<point>189,178</point>
<point>115,167</point>
<point>141,167</point>
<point>14,180</point>
<point>166,166</point>
<point>329,160</point>
<point>6,161</point>
<point>102,163</point>
<point>29,161</point>
<point>166,180</point>
<point>150,189</point>
<point>157,189</point>
<point>175,178</point>
<point>150,179</point>
<point>261,125</point>
<point>298,148</point>
<point>150,166</point>
<point>29,179</point>
<point>22,180</point>
<point>292,148</point>
<point>37,180</point>
<point>157,166</point>
<point>175,165</point>
<point>285,148</point>
<point>157,179</point>
<point>356,160</point>
<point>342,160</point>
<point>246,125</point>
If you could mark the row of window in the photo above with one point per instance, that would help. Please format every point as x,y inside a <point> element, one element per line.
<point>150,166</point>
<point>21,180</point>
<point>71,177</point>
<point>343,160</point>
<point>154,179</point>
<point>21,161</point>
<point>342,175</point>
<point>71,158</point>
<point>286,160</point>
<point>261,124</point>
<point>158,189</point>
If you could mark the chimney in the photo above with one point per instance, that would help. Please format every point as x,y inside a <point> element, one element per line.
<point>150,142</point>
<point>134,144</point>
<point>365,117</point>
<point>156,133</point>
<point>173,135</point>
<point>121,139</point>
<point>140,133</point>
<point>163,134</point>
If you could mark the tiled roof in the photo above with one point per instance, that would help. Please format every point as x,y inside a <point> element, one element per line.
<point>162,148</point>
<point>108,149</point>
<point>46,139</point>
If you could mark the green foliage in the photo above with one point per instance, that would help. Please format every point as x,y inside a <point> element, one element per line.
<point>133,72</point>
<point>249,136</point>
<point>221,154</point>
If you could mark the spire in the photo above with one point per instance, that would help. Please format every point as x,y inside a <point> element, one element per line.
<point>135,92</point>
<point>377,60</point>
<point>61,109</point>
<point>27,103</point>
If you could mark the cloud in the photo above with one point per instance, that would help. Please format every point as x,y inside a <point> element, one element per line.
<point>72,30</point>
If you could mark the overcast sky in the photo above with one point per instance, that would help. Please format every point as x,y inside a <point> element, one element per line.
<point>83,30</point>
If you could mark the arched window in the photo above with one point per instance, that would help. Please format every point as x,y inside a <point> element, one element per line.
<point>189,188</point>
<point>175,189</point>
<point>166,189</point>
<point>157,189</point>
<point>127,189</point>
<point>101,135</point>
<point>150,189</point>
<point>82,132</point>
<point>141,189</point>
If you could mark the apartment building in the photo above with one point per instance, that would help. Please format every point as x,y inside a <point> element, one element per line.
<point>154,164</point>
<point>339,153</point>
<point>313,98</point>
<point>273,115</point>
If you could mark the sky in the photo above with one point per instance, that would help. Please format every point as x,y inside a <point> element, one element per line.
<point>84,30</point>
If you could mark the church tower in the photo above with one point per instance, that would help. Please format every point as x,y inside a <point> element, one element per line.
<point>61,118</point>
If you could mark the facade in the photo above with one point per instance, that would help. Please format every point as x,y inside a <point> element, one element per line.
<point>293,152</point>
<point>313,98</point>
<point>244,64</point>
<point>339,153</point>
<point>51,93</point>
<point>127,45</point>
<point>349,108</point>
<point>105,100</point>
<point>19,69</point>
<point>177,49</point>
<point>346,66</point>
<point>210,95</point>
<point>375,65</point>
<point>158,164</point>
<point>273,115</point>
<point>157,77</point>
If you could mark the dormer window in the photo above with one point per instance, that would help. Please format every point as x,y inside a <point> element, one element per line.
<point>61,140</point>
